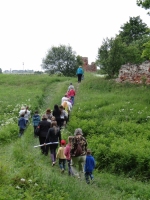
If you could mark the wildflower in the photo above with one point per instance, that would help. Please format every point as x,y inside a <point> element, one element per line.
<point>30,181</point>
<point>17,187</point>
<point>22,179</point>
<point>36,184</point>
<point>139,112</point>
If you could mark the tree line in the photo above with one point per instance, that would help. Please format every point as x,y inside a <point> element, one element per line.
<point>131,45</point>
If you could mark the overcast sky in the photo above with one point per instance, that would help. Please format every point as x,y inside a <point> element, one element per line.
<point>28,28</point>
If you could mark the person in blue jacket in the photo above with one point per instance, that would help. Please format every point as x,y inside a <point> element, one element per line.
<point>35,121</point>
<point>79,73</point>
<point>89,166</point>
<point>21,124</point>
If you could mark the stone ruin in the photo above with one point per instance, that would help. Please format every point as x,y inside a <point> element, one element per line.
<point>135,73</point>
<point>87,67</point>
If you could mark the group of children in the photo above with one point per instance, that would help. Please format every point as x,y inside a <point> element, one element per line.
<point>60,114</point>
<point>64,154</point>
<point>24,115</point>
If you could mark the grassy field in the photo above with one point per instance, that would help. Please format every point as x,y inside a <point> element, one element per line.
<point>115,120</point>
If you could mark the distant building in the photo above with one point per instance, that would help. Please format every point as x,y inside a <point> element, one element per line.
<point>18,72</point>
<point>90,68</point>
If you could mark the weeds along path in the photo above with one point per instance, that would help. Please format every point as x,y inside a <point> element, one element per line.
<point>20,160</point>
<point>53,96</point>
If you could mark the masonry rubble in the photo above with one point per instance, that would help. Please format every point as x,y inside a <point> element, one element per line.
<point>89,68</point>
<point>135,73</point>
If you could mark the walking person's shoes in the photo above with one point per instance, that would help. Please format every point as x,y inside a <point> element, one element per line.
<point>62,170</point>
<point>53,164</point>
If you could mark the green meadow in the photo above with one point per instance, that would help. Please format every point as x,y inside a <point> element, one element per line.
<point>115,120</point>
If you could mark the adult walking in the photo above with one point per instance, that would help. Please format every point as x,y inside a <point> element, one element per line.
<point>44,127</point>
<point>79,73</point>
<point>53,136</point>
<point>56,113</point>
<point>78,151</point>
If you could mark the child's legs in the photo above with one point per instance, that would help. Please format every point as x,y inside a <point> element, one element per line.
<point>34,130</point>
<point>72,98</point>
<point>69,167</point>
<point>87,177</point>
<point>91,175</point>
<point>61,163</point>
<point>64,163</point>
<point>21,131</point>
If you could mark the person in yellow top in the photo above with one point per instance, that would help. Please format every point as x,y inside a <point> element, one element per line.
<point>61,156</point>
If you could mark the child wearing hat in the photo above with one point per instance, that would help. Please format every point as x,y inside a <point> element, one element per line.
<point>89,166</point>
<point>61,156</point>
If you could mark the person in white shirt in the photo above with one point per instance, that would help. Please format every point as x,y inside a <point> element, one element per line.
<point>27,114</point>
<point>65,98</point>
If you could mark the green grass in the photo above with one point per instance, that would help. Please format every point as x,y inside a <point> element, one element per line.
<point>116,141</point>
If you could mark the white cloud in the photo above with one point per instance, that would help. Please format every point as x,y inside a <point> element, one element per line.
<point>30,27</point>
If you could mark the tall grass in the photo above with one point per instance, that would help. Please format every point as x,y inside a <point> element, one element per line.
<point>115,118</point>
<point>26,174</point>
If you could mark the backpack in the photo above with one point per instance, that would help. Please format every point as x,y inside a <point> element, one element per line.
<point>77,149</point>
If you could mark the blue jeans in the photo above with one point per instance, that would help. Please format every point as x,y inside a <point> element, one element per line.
<point>62,163</point>
<point>87,176</point>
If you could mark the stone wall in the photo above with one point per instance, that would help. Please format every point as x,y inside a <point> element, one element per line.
<point>135,73</point>
<point>87,67</point>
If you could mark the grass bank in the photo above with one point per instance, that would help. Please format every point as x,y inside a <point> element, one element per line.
<point>26,174</point>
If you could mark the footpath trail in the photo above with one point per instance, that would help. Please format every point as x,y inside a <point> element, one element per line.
<point>20,159</point>
<point>53,93</point>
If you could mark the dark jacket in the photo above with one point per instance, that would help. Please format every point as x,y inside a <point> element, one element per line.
<point>54,135</point>
<point>22,123</point>
<point>56,114</point>
<point>44,126</point>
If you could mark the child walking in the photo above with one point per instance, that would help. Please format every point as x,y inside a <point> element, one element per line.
<point>35,121</point>
<point>21,124</point>
<point>68,157</point>
<point>61,156</point>
<point>89,166</point>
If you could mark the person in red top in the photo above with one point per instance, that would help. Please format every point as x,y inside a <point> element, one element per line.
<point>71,94</point>
<point>68,156</point>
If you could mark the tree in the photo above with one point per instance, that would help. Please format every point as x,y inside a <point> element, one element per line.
<point>146,51</point>
<point>133,30</point>
<point>111,56</point>
<point>144,4</point>
<point>0,71</point>
<point>134,50</point>
<point>62,59</point>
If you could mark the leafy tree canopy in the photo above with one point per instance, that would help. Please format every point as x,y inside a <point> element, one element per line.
<point>146,51</point>
<point>62,59</point>
<point>111,56</point>
<point>0,71</point>
<point>144,4</point>
<point>133,30</point>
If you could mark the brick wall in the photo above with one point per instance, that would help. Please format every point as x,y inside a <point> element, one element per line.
<point>87,67</point>
<point>135,73</point>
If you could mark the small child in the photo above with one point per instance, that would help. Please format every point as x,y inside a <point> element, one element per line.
<point>61,156</point>
<point>21,124</point>
<point>68,156</point>
<point>89,166</point>
<point>35,121</point>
